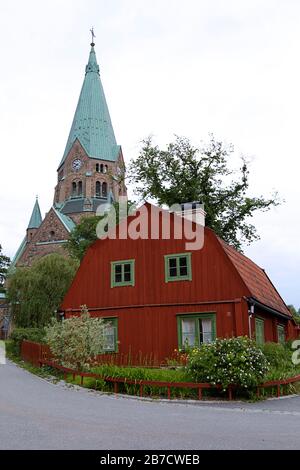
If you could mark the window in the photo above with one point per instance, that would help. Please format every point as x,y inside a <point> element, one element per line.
<point>74,189</point>
<point>178,267</point>
<point>97,167</point>
<point>196,329</point>
<point>105,169</point>
<point>110,335</point>
<point>259,331</point>
<point>280,334</point>
<point>122,273</point>
<point>98,189</point>
<point>80,188</point>
<point>101,168</point>
<point>104,189</point>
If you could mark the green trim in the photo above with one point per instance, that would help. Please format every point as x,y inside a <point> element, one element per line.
<point>196,316</point>
<point>122,263</point>
<point>281,334</point>
<point>114,321</point>
<point>259,330</point>
<point>177,256</point>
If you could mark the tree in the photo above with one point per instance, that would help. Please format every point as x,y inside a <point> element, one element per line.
<point>183,173</point>
<point>84,234</point>
<point>4,265</point>
<point>35,293</point>
<point>77,341</point>
<point>295,313</point>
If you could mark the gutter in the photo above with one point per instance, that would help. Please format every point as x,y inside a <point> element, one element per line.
<point>256,303</point>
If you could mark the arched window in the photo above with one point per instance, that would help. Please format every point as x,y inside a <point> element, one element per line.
<point>52,234</point>
<point>80,188</point>
<point>101,168</point>
<point>97,167</point>
<point>105,169</point>
<point>74,189</point>
<point>104,189</point>
<point>98,189</point>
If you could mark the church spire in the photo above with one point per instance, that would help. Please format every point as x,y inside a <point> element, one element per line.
<point>92,125</point>
<point>36,217</point>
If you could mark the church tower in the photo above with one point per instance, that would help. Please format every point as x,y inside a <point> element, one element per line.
<point>90,173</point>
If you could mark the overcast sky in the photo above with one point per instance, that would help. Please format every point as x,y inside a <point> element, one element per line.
<point>168,67</point>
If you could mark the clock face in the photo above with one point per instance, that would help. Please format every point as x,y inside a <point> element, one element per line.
<point>77,164</point>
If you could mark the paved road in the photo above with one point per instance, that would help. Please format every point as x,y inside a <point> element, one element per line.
<point>36,414</point>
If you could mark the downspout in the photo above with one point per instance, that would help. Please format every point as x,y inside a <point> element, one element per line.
<point>250,316</point>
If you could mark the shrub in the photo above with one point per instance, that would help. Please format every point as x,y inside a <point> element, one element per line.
<point>280,358</point>
<point>36,335</point>
<point>233,361</point>
<point>77,341</point>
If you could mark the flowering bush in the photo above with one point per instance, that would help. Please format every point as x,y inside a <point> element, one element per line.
<point>233,361</point>
<point>75,342</point>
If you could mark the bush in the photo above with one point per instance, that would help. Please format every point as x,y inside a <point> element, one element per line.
<point>77,341</point>
<point>280,358</point>
<point>36,335</point>
<point>234,361</point>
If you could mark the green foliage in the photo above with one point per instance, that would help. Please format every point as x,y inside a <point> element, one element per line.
<point>279,357</point>
<point>36,335</point>
<point>84,234</point>
<point>183,173</point>
<point>77,341</point>
<point>295,313</point>
<point>4,265</point>
<point>35,293</point>
<point>233,361</point>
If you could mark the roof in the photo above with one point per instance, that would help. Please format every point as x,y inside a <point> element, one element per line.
<point>36,217</point>
<point>76,205</point>
<point>256,280</point>
<point>65,220</point>
<point>92,124</point>
<point>18,254</point>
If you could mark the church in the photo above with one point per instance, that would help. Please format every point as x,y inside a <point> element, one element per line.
<point>90,173</point>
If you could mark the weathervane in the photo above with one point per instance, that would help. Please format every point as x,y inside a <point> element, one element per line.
<point>93,36</point>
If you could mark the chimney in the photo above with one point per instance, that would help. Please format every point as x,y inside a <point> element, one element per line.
<point>193,211</point>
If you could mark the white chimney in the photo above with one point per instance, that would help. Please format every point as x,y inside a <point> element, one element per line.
<point>193,211</point>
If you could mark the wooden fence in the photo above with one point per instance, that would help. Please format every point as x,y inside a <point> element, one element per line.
<point>39,355</point>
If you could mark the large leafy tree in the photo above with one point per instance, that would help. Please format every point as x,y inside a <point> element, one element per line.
<point>183,173</point>
<point>4,265</point>
<point>35,293</point>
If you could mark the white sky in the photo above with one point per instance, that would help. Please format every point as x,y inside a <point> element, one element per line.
<point>187,67</point>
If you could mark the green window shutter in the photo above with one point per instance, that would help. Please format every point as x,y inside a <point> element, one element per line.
<point>259,331</point>
<point>280,334</point>
<point>195,329</point>
<point>178,267</point>
<point>123,273</point>
<point>111,335</point>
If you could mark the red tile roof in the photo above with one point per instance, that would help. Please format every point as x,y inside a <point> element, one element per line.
<point>256,280</point>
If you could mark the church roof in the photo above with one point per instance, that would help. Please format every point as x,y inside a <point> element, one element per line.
<point>92,124</point>
<point>65,220</point>
<point>36,217</point>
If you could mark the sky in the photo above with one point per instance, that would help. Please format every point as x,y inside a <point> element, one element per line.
<point>168,67</point>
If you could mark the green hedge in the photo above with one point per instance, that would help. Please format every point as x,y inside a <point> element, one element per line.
<point>36,335</point>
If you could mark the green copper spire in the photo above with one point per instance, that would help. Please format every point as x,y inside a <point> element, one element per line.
<point>92,124</point>
<point>36,218</point>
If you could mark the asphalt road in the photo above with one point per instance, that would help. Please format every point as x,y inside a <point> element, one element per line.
<point>36,414</point>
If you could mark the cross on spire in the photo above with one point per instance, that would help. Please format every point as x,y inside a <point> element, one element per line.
<point>93,36</point>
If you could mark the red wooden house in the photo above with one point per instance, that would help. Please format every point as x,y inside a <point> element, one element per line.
<point>158,296</point>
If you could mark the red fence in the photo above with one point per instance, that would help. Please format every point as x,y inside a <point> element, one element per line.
<point>35,352</point>
<point>40,354</point>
